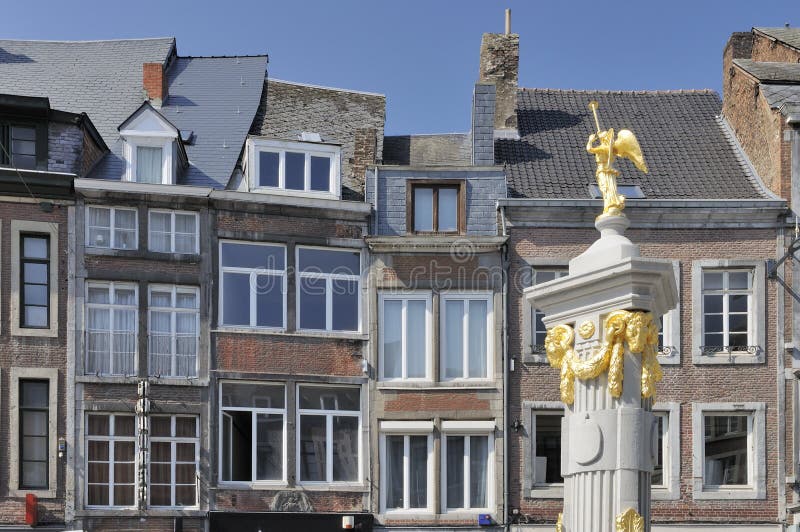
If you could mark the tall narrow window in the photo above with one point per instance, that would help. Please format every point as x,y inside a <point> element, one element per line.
<point>405,467</point>
<point>253,432</point>
<point>111,227</point>
<point>659,477</point>
<point>547,448</point>
<point>727,449</point>
<point>111,312</point>
<point>538,330</point>
<point>406,336</point>
<point>252,284</point>
<point>35,272</point>
<point>149,162</point>
<point>466,475</point>
<point>110,460</point>
<point>727,304</point>
<point>466,323</point>
<point>173,232</point>
<point>174,459</point>
<point>329,289</point>
<point>34,423</point>
<point>436,208</point>
<point>174,330</point>
<point>329,443</point>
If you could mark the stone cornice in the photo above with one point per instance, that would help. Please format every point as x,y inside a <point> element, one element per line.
<point>435,244</point>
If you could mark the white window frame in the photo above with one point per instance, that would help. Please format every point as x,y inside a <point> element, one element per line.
<point>670,489</point>
<point>112,227</point>
<point>172,231</point>
<point>757,313</point>
<point>405,297</point>
<point>148,140</point>
<point>18,229</point>
<point>329,278</point>
<point>173,441</point>
<point>542,490</point>
<point>467,429</point>
<point>331,151</point>
<point>490,334</point>
<point>756,445</point>
<point>406,429</point>
<point>253,272</point>
<point>112,286</point>
<point>174,311</point>
<point>111,439</point>
<point>329,415</point>
<point>253,482</point>
<point>671,326</point>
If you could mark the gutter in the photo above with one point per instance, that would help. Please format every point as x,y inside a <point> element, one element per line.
<point>506,365</point>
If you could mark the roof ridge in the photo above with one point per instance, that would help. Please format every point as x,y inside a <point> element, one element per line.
<point>220,56</point>
<point>633,91</point>
<point>783,63</point>
<point>61,41</point>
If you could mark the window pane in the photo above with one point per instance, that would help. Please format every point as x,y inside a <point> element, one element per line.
<point>36,294</point>
<point>98,425</point>
<point>392,339</point>
<point>269,301</point>
<point>725,450</point>
<point>252,256</point>
<point>739,280</point>
<point>448,209</point>
<point>125,219</point>
<point>236,299</point>
<point>34,394</point>
<point>253,395</point>
<point>657,477</point>
<point>160,231</point>
<point>34,273</point>
<point>320,173</point>
<point>269,450</point>
<point>161,426</point>
<point>454,338</point>
<point>312,304</point>
<point>737,303</point>
<point>313,463</point>
<point>34,247</point>
<point>34,474</point>
<point>268,163</point>
<point>148,164</point>
<point>455,471</point>
<point>295,170</point>
<point>416,339</point>
<point>35,317</point>
<point>344,298</point>
<point>345,448</point>
<point>330,398</point>
<point>478,465</point>
<point>237,441</point>
<point>423,209</point>
<point>548,448</point>
<point>394,471</point>
<point>124,426</point>
<point>712,280</point>
<point>343,262</point>
<point>477,338</point>
<point>418,472</point>
<point>185,427</point>
<point>712,304</point>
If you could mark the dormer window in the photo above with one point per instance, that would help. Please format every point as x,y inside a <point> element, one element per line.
<point>297,168</point>
<point>153,149</point>
<point>149,164</point>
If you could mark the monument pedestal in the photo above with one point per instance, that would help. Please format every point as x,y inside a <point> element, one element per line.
<point>603,332</point>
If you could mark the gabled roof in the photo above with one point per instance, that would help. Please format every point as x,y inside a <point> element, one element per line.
<point>779,95</point>
<point>688,148</point>
<point>788,36</point>
<point>770,72</point>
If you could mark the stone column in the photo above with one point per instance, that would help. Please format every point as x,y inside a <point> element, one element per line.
<point>600,317</point>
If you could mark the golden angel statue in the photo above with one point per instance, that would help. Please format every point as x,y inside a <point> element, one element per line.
<point>606,147</point>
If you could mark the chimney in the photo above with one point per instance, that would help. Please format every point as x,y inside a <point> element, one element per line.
<point>154,83</point>
<point>500,65</point>
<point>483,119</point>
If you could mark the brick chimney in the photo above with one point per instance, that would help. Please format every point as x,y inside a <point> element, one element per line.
<point>154,83</point>
<point>500,65</point>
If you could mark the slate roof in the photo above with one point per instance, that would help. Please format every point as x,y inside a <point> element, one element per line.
<point>778,95</point>
<point>690,151</point>
<point>770,72</point>
<point>450,149</point>
<point>101,78</point>
<point>790,36</point>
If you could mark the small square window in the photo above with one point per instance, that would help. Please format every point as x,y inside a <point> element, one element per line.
<point>111,227</point>
<point>436,207</point>
<point>173,232</point>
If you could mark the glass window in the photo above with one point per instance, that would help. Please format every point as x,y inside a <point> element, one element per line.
<point>329,443</point>
<point>35,269</point>
<point>547,448</point>
<point>269,168</point>
<point>659,476</point>
<point>252,284</point>
<point>465,336</point>
<point>727,296</point>
<point>111,316</point>
<point>405,345</point>
<point>253,419</point>
<point>406,471</point>
<point>466,464</point>
<point>726,449</point>
<point>538,330</point>
<point>329,289</point>
<point>173,232</point>
<point>111,228</point>
<point>174,459</point>
<point>34,431</point>
<point>436,208</point>
<point>174,319</point>
<point>110,460</point>
<point>149,164</point>
<point>23,147</point>
<point>307,167</point>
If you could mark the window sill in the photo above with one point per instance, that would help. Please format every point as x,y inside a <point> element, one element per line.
<point>189,258</point>
<point>252,486</point>
<point>546,492</point>
<point>127,511</point>
<point>746,492</point>
<point>107,379</point>
<point>728,358</point>
<point>320,486</point>
<point>664,494</point>
<point>41,494</point>
<point>534,358</point>
<point>300,334</point>
<point>294,193</point>
<point>434,385</point>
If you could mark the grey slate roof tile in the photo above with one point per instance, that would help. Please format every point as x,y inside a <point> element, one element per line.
<point>790,36</point>
<point>687,148</point>
<point>778,95</point>
<point>770,72</point>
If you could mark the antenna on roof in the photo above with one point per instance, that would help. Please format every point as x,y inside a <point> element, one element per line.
<point>508,21</point>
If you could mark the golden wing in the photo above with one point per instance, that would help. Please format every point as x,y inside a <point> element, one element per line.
<point>628,147</point>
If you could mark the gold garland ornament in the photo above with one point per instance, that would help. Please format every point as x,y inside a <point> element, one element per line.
<point>560,523</point>
<point>630,521</point>
<point>640,332</point>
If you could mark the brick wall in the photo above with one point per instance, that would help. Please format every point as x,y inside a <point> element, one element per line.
<point>766,49</point>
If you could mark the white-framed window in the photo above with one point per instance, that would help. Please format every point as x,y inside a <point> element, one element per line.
<point>111,327</point>
<point>466,335</point>
<point>329,428</point>
<point>252,291</point>
<point>546,451</point>
<point>729,450</point>
<point>34,278</point>
<point>173,231</point>
<point>111,227</point>
<point>298,168</point>
<point>541,275</point>
<point>406,454</point>
<point>666,459</point>
<point>252,432</point>
<point>174,461</point>
<point>669,334</point>
<point>173,330</point>
<point>467,466</point>
<point>328,289</point>
<point>149,164</point>
<point>110,460</point>
<point>406,330</point>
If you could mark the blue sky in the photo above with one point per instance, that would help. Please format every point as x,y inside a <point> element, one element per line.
<point>423,55</point>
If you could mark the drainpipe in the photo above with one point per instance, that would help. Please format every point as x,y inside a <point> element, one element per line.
<point>506,362</point>
<point>781,377</point>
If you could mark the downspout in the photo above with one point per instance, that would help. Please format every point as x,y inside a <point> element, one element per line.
<point>506,362</point>
<point>781,377</point>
